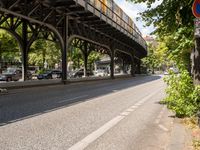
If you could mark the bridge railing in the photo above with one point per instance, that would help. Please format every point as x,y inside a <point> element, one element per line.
<point>115,13</point>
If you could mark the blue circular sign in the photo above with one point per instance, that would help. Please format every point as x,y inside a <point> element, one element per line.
<point>196,8</point>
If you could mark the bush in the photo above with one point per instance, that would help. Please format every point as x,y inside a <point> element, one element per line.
<point>182,96</point>
<point>41,71</point>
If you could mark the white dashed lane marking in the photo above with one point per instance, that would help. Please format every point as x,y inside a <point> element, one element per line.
<point>163,128</point>
<point>99,132</point>
<point>157,121</point>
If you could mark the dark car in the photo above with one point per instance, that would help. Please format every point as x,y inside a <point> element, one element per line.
<point>50,74</point>
<point>79,73</point>
<point>13,74</point>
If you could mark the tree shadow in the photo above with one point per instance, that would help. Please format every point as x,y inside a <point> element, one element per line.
<point>25,103</point>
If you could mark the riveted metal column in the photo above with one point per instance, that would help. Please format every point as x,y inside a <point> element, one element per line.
<point>139,66</point>
<point>64,53</point>
<point>133,67</point>
<point>123,66</point>
<point>85,53</point>
<point>112,63</point>
<point>24,50</point>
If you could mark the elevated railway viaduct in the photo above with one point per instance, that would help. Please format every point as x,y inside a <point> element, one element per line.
<point>88,24</point>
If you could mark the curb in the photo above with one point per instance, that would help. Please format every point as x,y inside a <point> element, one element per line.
<point>29,84</point>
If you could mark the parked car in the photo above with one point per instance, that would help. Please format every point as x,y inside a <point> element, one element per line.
<point>33,69</point>
<point>166,73</point>
<point>79,73</point>
<point>13,74</point>
<point>100,73</point>
<point>172,70</point>
<point>50,74</point>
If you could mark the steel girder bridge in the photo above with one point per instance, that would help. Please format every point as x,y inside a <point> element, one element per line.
<point>72,23</point>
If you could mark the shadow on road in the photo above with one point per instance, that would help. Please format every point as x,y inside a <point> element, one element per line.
<point>30,102</point>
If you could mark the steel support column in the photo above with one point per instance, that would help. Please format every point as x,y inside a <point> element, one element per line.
<point>123,66</point>
<point>24,50</point>
<point>139,66</point>
<point>112,63</point>
<point>85,55</point>
<point>133,67</point>
<point>64,51</point>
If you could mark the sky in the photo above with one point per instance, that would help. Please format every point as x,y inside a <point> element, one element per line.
<point>132,11</point>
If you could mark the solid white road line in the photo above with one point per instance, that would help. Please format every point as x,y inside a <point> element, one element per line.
<point>81,145</point>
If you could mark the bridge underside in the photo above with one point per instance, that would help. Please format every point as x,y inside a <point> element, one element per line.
<point>70,23</point>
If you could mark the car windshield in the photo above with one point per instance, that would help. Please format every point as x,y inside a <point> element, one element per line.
<point>9,71</point>
<point>100,71</point>
<point>48,71</point>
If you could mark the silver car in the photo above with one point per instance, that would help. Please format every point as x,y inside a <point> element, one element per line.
<point>13,74</point>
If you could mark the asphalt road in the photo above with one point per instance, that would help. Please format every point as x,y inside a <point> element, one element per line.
<point>122,114</point>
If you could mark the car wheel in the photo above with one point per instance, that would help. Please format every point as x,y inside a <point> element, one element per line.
<point>49,77</point>
<point>9,79</point>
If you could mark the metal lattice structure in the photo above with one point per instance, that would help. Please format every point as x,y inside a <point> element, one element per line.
<point>70,22</point>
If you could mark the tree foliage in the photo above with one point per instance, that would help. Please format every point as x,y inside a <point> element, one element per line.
<point>9,49</point>
<point>169,16</point>
<point>151,61</point>
<point>44,51</point>
<point>173,21</point>
<point>182,96</point>
<point>174,25</point>
<point>157,58</point>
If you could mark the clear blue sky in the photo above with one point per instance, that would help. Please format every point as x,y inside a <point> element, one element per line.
<point>132,10</point>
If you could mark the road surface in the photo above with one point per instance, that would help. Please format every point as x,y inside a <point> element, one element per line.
<point>121,114</point>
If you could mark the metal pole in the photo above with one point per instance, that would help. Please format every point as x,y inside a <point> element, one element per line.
<point>64,53</point>
<point>24,50</point>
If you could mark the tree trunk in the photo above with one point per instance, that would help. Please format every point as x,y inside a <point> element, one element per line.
<point>43,57</point>
<point>153,69</point>
<point>78,62</point>
<point>196,62</point>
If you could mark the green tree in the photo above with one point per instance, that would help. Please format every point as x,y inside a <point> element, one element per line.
<point>77,58</point>
<point>156,59</point>
<point>173,20</point>
<point>9,49</point>
<point>44,51</point>
<point>151,60</point>
<point>94,56</point>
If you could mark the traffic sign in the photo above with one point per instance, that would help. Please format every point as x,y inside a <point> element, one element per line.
<point>196,8</point>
